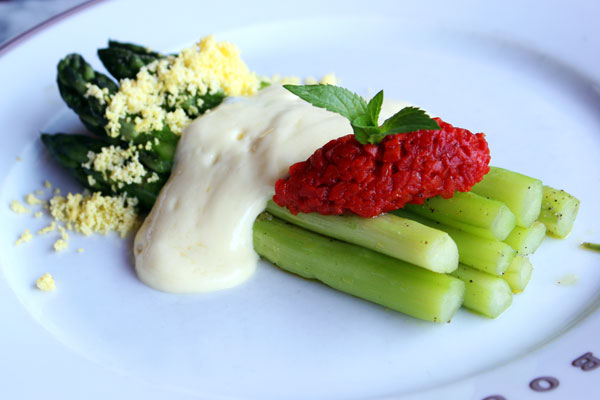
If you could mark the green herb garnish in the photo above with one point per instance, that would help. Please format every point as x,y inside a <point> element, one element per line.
<point>591,246</point>
<point>364,116</point>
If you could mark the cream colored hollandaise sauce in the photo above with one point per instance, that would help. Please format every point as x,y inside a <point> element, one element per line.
<point>198,236</point>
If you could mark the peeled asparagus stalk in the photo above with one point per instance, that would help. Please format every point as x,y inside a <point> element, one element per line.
<point>485,294</point>
<point>521,193</point>
<point>488,255</point>
<point>389,234</point>
<point>358,271</point>
<point>526,240</point>
<point>559,210</point>
<point>469,212</point>
<point>518,274</point>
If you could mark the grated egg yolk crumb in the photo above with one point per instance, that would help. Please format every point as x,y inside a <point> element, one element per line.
<point>18,208</point>
<point>38,214</point>
<point>329,79</point>
<point>45,283</point>
<point>32,200</point>
<point>117,164</point>
<point>48,185</point>
<point>24,238</point>
<point>60,245</point>
<point>96,92</point>
<point>95,213</point>
<point>153,178</point>
<point>48,229</point>
<point>63,233</point>
<point>207,67</point>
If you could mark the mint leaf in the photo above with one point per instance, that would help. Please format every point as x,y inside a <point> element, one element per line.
<point>364,131</point>
<point>364,116</point>
<point>374,108</point>
<point>332,98</point>
<point>409,119</point>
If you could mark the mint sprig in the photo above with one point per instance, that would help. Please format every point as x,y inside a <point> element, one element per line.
<point>363,116</point>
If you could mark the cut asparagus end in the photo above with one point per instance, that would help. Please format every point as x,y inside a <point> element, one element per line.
<point>526,240</point>
<point>521,193</point>
<point>469,212</point>
<point>485,294</point>
<point>489,255</point>
<point>559,210</point>
<point>518,274</point>
<point>389,234</point>
<point>358,271</point>
<point>504,223</point>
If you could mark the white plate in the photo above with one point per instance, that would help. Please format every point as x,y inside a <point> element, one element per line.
<point>526,76</point>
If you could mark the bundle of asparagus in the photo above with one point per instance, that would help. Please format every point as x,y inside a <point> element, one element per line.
<point>493,248</point>
<point>424,260</point>
<point>156,148</point>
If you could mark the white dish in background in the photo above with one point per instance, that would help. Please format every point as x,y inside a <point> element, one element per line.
<point>527,81</point>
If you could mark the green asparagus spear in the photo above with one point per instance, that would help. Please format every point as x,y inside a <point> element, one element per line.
<point>74,74</point>
<point>70,151</point>
<point>526,240</point>
<point>559,210</point>
<point>124,60</point>
<point>488,255</point>
<point>195,106</point>
<point>469,212</point>
<point>358,271</point>
<point>161,153</point>
<point>73,77</point>
<point>518,274</point>
<point>522,194</point>
<point>389,234</point>
<point>485,294</point>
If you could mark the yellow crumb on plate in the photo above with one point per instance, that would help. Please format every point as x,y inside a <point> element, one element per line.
<point>80,250</point>
<point>19,158</point>
<point>24,238</point>
<point>95,213</point>
<point>32,200</point>
<point>38,214</point>
<point>18,208</point>
<point>39,192</point>
<point>48,185</point>
<point>60,245</point>
<point>45,283</point>
<point>48,229</point>
<point>63,233</point>
<point>57,191</point>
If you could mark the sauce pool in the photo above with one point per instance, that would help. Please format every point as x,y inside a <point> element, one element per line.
<point>198,236</point>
